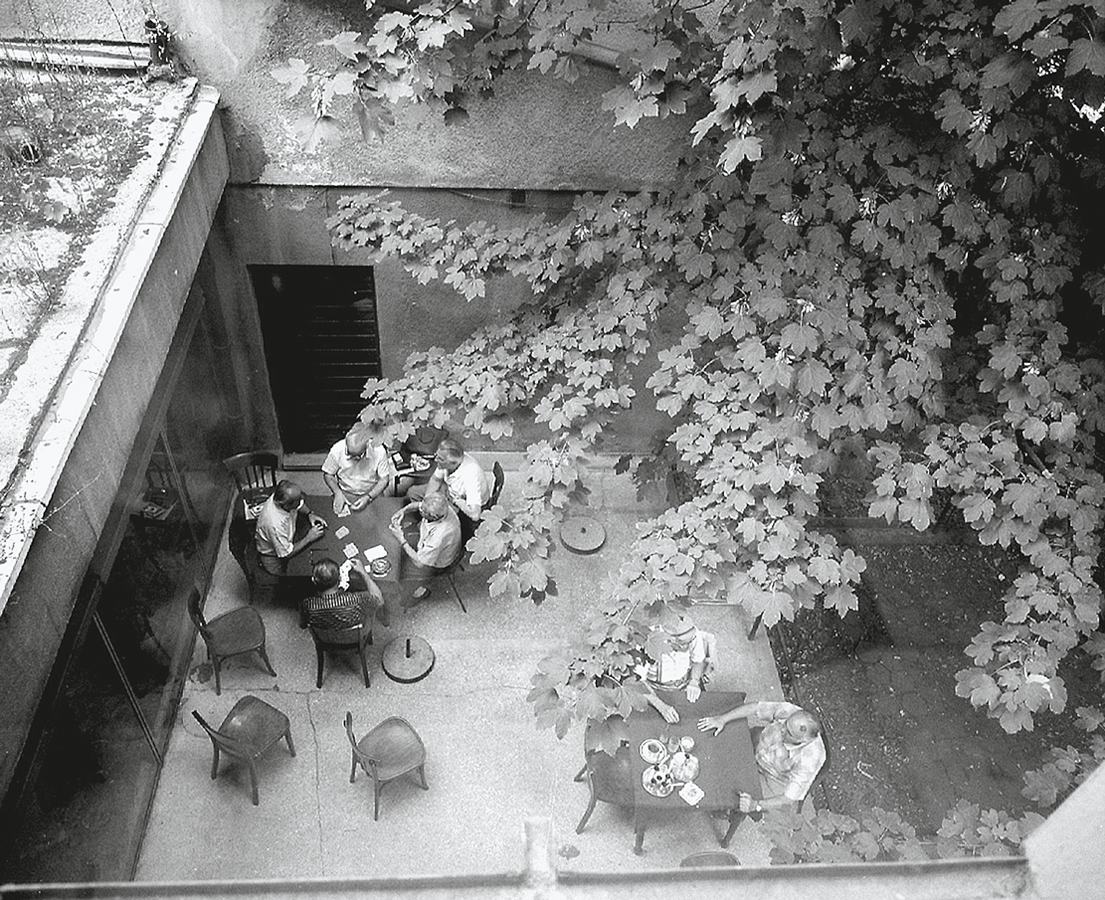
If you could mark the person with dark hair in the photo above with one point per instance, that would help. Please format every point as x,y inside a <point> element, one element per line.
<point>278,536</point>
<point>789,752</point>
<point>439,539</point>
<point>460,478</point>
<point>342,599</point>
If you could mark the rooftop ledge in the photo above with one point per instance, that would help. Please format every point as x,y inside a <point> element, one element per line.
<point>52,386</point>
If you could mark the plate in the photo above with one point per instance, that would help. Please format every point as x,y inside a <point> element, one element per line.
<point>657,782</point>
<point>653,751</point>
<point>419,463</point>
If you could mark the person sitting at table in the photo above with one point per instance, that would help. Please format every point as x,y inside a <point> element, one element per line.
<point>280,532</point>
<point>438,544</point>
<point>461,479</point>
<point>342,602</point>
<point>358,468</point>
<point>789,753</point>
<point>685,665</point>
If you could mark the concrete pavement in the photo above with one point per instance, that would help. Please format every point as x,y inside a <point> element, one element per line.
<point>488,766</point>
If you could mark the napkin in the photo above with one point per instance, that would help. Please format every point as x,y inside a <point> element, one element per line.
<point>350,550</point>
<point>377,552</point>
<point>691,793</point>
<point>341,532</point>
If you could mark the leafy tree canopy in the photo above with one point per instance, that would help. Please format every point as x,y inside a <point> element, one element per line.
<point>885,232</point>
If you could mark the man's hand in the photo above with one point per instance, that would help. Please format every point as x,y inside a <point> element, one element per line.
<point>670,714</point>
<point>318,529</point>
<point>745,802</point>
<point>714,722</point>
<point>340,503</point>
<point>694,691</point>
<point>396,529</point>
<point>360,503</point>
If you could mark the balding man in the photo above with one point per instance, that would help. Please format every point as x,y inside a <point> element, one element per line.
<point>276,538</point>
<point>789,752</point>
<point>460,479</point>
<point>358,468</point>
<point>438,544</point>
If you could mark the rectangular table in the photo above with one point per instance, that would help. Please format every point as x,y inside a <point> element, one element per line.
<point>727,763</point>
<point>367,528</point>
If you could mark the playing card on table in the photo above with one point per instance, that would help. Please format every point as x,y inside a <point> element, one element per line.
<point>691,793</point>
<point>344,512</point>
<point>350,550</point>
<point>341,532</point>
<point>377,552</point>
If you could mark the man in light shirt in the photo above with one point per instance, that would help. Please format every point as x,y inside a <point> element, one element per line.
<point>463,482</point>
<point>276,538</point>
<point>789,752</point>
<point>438,539</point>
<point>358,468</point>
<point>682,667</point>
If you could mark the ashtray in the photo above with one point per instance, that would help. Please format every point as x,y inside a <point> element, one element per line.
<point>379,567</point>
<point>653,751</point>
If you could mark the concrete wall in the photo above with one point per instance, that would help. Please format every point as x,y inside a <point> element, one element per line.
<point>42,601</point>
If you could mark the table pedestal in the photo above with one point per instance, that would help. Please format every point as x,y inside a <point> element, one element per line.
<point>407,659</point>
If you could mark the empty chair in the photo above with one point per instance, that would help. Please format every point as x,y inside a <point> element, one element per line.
<point>249,729</point>
<point>609,779</point>
<point>389,751</point>
<point>255,474</point>
<point>238,631</point>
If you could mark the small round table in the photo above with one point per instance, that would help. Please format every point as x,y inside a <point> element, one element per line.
<point>407,659</point>
<point>582,534</point>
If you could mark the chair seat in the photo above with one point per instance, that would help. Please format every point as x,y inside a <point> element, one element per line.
<point>255,724</point>
<point>394,746</point>
<point>236,631</point>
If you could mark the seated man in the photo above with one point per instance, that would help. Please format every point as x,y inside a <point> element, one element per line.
<point>789,752</point>
<point>277,538</point>
<point>358,468</point>
<point>685,665</point>
<point>438,539</point>
<point>342,602</point>
<point>459,477</point>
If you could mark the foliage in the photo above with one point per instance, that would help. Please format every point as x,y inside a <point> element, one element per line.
<point>1068,766</point>
<point>883,229</point>
<point>881,836</point>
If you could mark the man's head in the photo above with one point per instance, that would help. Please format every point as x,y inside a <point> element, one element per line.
<point>681,632</point>
<point>433,507</point>
<point>801,727</point>
<point>356,443</point>
<point>325,574</point>
<point>288,495</point>
<point>449,454</point>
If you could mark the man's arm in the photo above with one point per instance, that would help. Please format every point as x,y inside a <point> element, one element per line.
<point>719,722</point>
<point>340,500</point>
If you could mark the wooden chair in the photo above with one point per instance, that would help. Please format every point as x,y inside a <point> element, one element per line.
<point>249,729</point>
<point>254,473</point>
<point>238,631</point>
<point>609,779</point>
<point>389,751</point>
<point>352,638</point>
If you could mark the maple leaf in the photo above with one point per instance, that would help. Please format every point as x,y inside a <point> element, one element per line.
<point>1018,18</point>
<point>348,44</point>
<point>294,75</point>
<point>738,149</point>
<point>857,21</point>
<point>1086,53</point>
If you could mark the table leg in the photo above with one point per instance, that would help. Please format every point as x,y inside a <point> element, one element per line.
<point>735,816</point>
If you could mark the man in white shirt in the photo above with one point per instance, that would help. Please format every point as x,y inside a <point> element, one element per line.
<point>358,468</point>
<point>438,539</point>
<point>275,538</point>
<point>683,666</point>
<point>459,477</point>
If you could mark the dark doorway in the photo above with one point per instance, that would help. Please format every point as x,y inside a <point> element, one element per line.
<point>322,344</point>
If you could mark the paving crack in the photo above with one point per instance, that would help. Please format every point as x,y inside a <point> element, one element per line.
<point>318,786</point>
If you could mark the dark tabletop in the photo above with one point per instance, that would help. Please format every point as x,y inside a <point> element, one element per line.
<point>727,763</point>
<point>367,528</point>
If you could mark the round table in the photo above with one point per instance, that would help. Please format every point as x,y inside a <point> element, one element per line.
<point>582,534</point>
<point>407,659</point>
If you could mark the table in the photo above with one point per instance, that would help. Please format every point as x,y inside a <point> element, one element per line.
<point>727,763</point>
<point>582,534</point>
<point>367,528</point>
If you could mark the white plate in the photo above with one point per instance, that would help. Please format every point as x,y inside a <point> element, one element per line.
<point>653,751</point>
